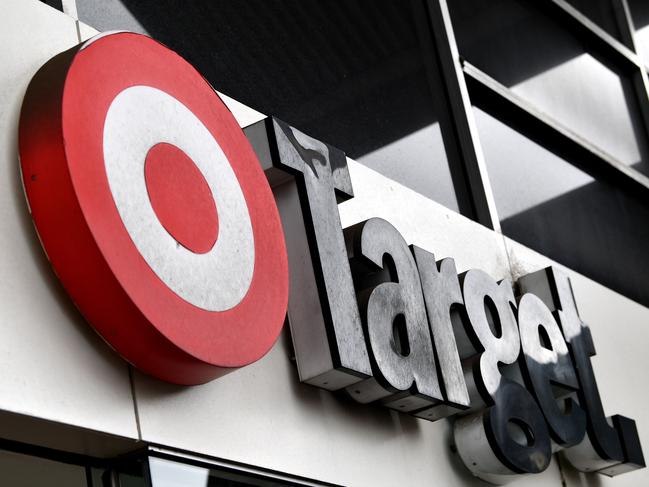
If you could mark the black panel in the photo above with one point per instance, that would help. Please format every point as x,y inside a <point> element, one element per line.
<point>349,73</point>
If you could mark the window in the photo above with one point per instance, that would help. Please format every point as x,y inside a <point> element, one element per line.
<point>19,470</point>
<point>169,473</point>
<point>33,466</point>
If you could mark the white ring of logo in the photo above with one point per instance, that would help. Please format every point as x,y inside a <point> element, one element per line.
<point>138,118</point>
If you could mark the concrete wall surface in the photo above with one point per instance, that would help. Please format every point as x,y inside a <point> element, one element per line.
<point>55,368</point>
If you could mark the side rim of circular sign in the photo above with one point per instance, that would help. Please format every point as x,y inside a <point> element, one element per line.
<point>61,157</point>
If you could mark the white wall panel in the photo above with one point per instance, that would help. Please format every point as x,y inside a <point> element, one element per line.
<point>53,364</point>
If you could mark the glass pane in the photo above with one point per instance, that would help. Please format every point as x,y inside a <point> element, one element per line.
<point>129,472</point>
<point>18,470</point>
<point>640,13</point>
<point>549,205</point>
<point>166,473</point>
<point>170,474</point>
<point>535,56</point>
<point>349,73</point>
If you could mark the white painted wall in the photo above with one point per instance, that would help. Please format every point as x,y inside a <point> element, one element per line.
<point>54,367</point>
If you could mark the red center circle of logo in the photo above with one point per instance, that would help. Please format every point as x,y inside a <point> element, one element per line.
<point>178,190</point>
<point>129,282</point>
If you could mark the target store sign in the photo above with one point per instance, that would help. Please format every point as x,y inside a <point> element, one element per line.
<point>153,208</point>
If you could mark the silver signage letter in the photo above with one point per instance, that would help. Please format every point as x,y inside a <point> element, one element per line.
<point>322,310</point>
<point>611,445</point>
<point>394,317</point>
<point>443,298</point>
<point>510,436</point>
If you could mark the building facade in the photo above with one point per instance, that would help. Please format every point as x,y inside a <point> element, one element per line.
<point>510,136</point>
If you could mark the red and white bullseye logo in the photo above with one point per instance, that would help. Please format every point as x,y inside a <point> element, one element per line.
<point>167,145</point>
<point>153,208</point>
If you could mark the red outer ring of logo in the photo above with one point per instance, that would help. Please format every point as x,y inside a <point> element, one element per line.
<point>60,139</point>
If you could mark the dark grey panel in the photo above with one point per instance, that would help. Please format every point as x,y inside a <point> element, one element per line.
<point>548,204</point>
<point>106,15</point>
<point>640,14</point>
<point>352,73</point>
<point>599,11</point>
<point>540,59</point>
